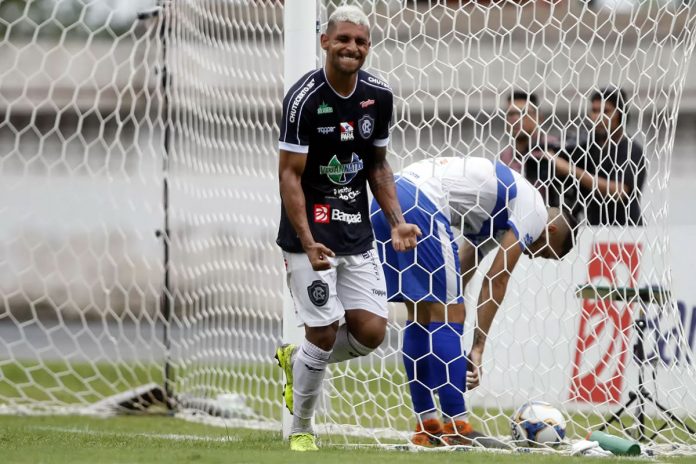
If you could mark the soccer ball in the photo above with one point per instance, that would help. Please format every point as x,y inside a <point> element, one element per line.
<point>538,424</point>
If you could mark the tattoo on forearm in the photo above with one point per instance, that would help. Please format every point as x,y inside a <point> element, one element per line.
<point>381,179</point>
<point>395,217</point>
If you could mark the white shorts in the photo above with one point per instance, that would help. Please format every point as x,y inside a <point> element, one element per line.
<point>321,298</point>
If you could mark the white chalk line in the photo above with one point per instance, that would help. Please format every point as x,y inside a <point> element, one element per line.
<point>158,436</point>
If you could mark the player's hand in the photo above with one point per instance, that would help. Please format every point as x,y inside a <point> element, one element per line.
<point>405,236</point>
<point>319,255</point>
<point>474,370</point>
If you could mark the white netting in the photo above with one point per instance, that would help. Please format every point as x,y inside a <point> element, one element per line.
<point>80,174</point>
<point>88,121</point>
<point>452,70</point>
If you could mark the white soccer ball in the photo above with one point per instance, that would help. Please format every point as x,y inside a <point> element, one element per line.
<point>538,424</point>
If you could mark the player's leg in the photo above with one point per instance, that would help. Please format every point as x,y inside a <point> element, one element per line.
<point>447,363</point>
<point>318,309</point>
<point>448,367</point>
<point>416,352</point>
<point>361,290</point>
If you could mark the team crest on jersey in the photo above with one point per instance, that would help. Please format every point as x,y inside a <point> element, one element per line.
<point>318,292</point>
<point>342,173</point>
<point>347,131</point>
<point>365,126</point>
<point>324,109</point>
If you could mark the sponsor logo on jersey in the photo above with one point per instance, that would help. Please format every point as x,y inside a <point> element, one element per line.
<point>346,193</point>
<point>366,103</point>
<point>374,80</point>
<point>324,109</point>
<point>340,173</point>
<point>326,130</point>
<point>298,99</point>
<point>365,126</point>
<point>321,214</point>
<point>338,215</point>
<point>528,240</point>
<point>318,292</point>
<point>347,131</point>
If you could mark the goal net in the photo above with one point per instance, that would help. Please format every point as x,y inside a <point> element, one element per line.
<point>139,205</point>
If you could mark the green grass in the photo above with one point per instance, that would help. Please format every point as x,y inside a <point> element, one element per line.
<point>377,395</point>
<point>133,439</point>
<point>25,382</point>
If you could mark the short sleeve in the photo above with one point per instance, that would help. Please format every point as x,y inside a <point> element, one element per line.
<point>383,124</point>
<point>297,120</point>
<point>528,215</point>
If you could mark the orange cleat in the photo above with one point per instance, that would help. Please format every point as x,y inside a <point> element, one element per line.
<point>428,434</point>
<point>456,433</point>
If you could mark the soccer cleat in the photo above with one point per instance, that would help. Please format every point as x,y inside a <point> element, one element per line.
<point>428,434</point>
<point>284,357</point>
<point>303,442</point>
<point>456,433</point>
<point>461,433</point>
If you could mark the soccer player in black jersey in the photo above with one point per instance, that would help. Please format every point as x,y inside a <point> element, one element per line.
<point>333,139</point>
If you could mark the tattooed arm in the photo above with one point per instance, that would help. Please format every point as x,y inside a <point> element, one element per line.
<point>381,179</point>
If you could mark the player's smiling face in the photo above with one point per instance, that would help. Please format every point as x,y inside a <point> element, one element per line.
<point>346,45</point>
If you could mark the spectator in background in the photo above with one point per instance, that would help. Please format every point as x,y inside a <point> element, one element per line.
<point>530,147</point>
<point>608,167</point>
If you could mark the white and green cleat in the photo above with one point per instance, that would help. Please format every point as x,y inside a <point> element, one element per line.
<point>303,442</point>
<point>284,357</point>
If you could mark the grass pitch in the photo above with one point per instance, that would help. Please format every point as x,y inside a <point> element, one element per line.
<point>154,439</point>
<point>163,439</point>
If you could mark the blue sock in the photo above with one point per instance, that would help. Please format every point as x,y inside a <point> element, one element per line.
<point>448,366</point>
<point>416,362</point>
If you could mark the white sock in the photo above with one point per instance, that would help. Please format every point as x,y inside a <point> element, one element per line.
<point>347,347</point>
<point>424,416</point>
<point>459,417</point>
<point>308,373</point>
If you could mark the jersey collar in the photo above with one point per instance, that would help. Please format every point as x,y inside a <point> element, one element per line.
<point>323,70</point>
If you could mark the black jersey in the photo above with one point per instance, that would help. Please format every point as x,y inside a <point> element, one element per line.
<point>621,162</point>
<point>338,134</point>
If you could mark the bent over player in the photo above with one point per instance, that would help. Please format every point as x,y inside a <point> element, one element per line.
<point>333,140</point>
<point>493,206</point>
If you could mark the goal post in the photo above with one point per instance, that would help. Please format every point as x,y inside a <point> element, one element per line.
<point>299,52</point>
<point>86,120</point>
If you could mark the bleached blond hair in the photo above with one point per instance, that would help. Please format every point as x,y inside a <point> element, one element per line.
<point>348,14</point>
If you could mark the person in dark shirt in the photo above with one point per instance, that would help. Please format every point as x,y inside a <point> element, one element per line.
<point>607,167</point>
<point>333,142</point>
<point>530,145</point>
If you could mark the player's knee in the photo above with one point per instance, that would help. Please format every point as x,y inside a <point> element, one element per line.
<point>371,335</point>
<point>322,337</point>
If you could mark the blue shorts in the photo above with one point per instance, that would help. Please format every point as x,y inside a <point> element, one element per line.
<point>431,272</point>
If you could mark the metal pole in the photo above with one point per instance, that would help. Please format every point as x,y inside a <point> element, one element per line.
<point>166,299</point>
<point>300,23</point>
